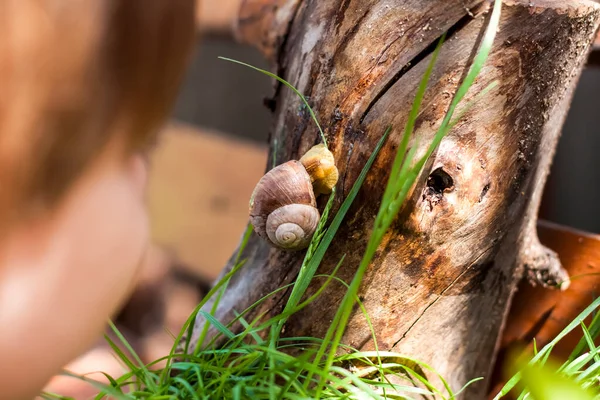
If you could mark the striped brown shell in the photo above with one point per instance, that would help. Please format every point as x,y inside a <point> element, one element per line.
<point>283,207</point>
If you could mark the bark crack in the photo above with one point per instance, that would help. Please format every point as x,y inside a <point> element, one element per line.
<point>350,152</point>
<point>427,51</point>
<point>441,294</point>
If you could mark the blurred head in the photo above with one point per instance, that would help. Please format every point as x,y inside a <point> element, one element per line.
<point>85,86</point>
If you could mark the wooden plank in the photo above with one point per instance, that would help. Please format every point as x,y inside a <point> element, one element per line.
<point>200,184</point>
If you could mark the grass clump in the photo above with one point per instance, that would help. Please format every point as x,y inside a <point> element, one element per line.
<point>257,363</point>
<point>577,378</point>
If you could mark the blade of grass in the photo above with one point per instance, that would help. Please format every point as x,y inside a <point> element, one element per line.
<point>213,310</point>
<point>590,341</point>
<point>476,67</point>
<point>594,331</point>
<point>310,265</point>
<point>148,377</point>
<point>545,351</point>
<point>410,125</point>
<point>188,326</point>
<point>117,394</point>
<point>290,86</point>
<point>217,324</point>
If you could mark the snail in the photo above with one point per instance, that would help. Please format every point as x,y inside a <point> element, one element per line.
<point>283,206</point>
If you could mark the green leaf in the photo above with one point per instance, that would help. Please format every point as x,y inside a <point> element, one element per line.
<point>217,324</point>
<point>594,331</point>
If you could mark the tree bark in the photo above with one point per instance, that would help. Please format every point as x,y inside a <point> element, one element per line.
<point>441,284</point>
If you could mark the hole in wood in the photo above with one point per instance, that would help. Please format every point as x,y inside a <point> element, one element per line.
<point>438,183</point>
<point>485,190</point>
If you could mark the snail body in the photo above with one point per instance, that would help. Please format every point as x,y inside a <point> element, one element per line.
<point>283,207</point>
<point>320,165</point>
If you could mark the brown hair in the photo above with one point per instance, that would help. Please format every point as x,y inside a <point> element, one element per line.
<point>74,75</point>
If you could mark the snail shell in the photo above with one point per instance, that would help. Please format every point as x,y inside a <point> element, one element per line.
<point>283,207</point>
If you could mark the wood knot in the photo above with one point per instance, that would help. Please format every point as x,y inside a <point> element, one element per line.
<point>543,268</point>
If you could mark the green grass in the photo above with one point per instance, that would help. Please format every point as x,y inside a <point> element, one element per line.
<point>257,363</point>
<point>578,376</point>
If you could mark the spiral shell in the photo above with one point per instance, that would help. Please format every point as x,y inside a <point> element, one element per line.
<point>283,207</point>
<point>292,227</point>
